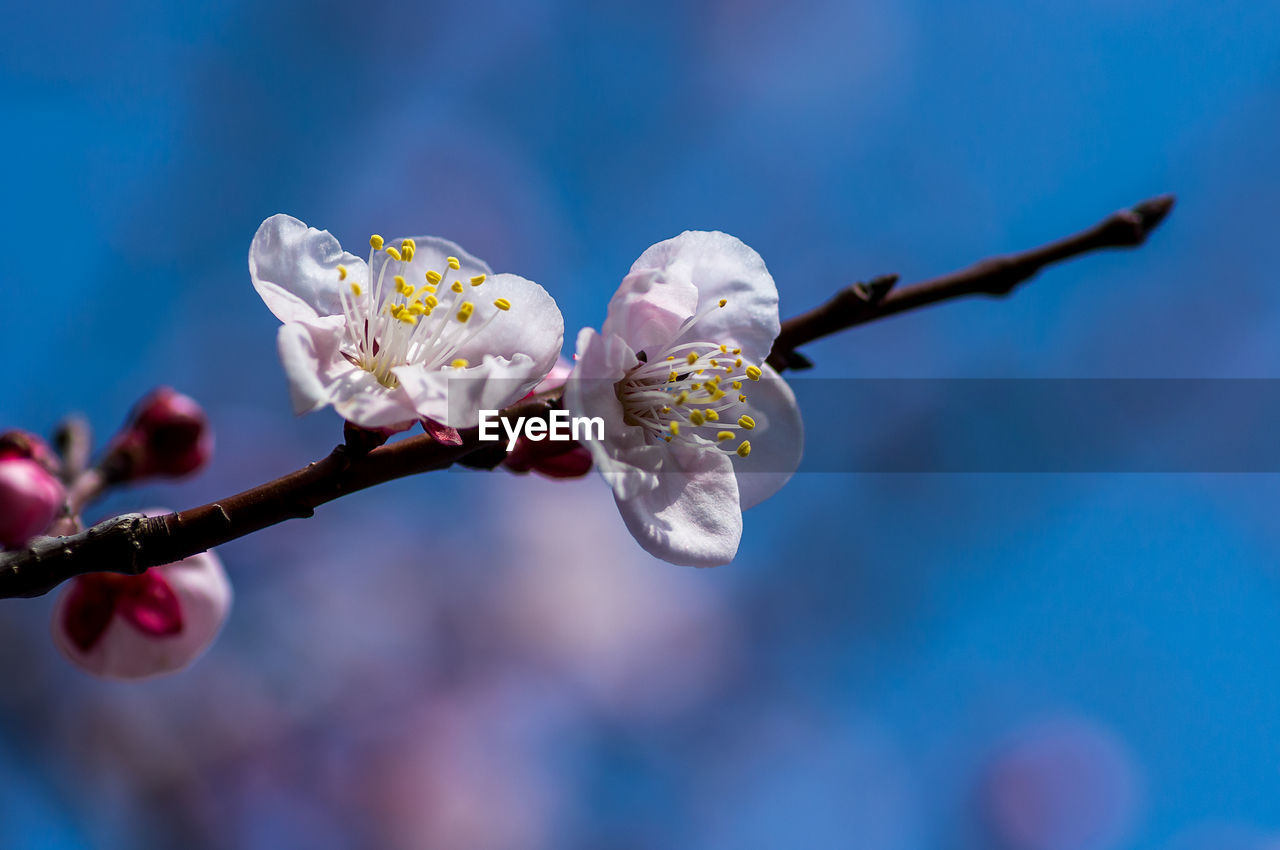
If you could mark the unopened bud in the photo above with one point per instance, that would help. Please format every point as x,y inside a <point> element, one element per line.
<point>134,627</point>
<point>167,435</point>
<point>29,500</point>
<point>24,444</point>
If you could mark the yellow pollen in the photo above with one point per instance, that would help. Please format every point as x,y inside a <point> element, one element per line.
<point>724,435</point>
<point>675,429</point>
<point>477,280</point>
<point>672,378</point>
<point>431,301</point>
<point>375,242</point>
<point>460,363</point>
<point>434,276</point>
<point>724,301</point>
<point>457,286</point>
<point>342,272</point>
<point>724,349</point>
<point>671,357</point>
<point>407,249</point>
<point>744,448</point>
<point>715,365</point>
<point>417,309</point>
<point>737,351</point>
<point>742,397</point>
<point>692,358</point>
<point>746,422</point>
<point>667,438</point>
<point>753,372</point>
<point>682,398</point>
<point>717,394</point>
<point>666,410</point>
<point>355,289</point>
<point>712,416</point>
<point>738,363</point>
<point>453,263</point>
<point>502,304</point>
<point>393,253</point>
<point>465,309</point>
<point>696,417</point>
<point>737,385</point>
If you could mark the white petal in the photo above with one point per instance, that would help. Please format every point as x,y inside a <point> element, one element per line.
<point>310,352</point>
<point>295,269</point>
<point>602,361</point>
<point>649,307</point>
<point>455,397</point>
<point>777,442</point>
<point>532,327</point>
<point>361,400</point>
<point>720,266</point>
<point>692,516</point>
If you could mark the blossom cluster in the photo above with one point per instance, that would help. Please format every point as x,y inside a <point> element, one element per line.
<point>693,425</point>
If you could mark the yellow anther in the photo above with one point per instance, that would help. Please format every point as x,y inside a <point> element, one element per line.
<point>408,248</point>
<point>457,286</point>
<point>746,422</point>
<point>671,357</point>
<point>502,304</point>
<point>712,416</point>
<point>675,428</point>
<point>724,301</point>
<point>400,284</point>
<point>724,349</point>
<point>465,309</point>
<point>754,373</point>
<point>738,363</point>
<point>666,410</point>
<point>724,435</point>
<point>744,448</point>
<point>477,280</point>
<point>393,253</point>
<point>417,309</point>
<point>699,372</point>
<point>667,438</point>
<point>717,394</point>
<point>355,289</point>
<point>434,276</point>
<point>342,272</point>
<point>672,378</point>
<point>460,363</point>
<point>696,417</point>
<point>692,358</point>
<point>742,397</point>
<point>426,287</point>
<point>375,242</point>
<point>453,263</point>
<point>407,317</point>
<point>715,365</point>
<point>431,301</point>
<point>682,398</point>
<point>737,351</point>
<point>737,385</point>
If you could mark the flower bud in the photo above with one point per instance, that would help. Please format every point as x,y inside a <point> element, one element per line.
<point>167,435</point>
<point>134,627</point>
<point>24,444</point>
<point>30,498</point>
<point>552,459</point>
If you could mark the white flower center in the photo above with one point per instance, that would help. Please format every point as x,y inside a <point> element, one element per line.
<point>399,323</point>
<point>692,393</point>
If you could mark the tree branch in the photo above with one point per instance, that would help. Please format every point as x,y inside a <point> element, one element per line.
<point>133,543</point>
<point>996,277</point>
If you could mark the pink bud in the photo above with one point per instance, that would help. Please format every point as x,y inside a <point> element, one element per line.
<point>24,444</point>
<point>29,500</point>
<point>134,627</point>
<point>167,435</point>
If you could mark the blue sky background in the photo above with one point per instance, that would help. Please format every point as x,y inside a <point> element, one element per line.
<point>889,654</point>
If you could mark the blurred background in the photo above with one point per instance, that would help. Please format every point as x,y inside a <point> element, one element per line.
<point>1029,662</point>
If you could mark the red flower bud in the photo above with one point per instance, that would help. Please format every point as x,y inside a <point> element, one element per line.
<point>167,435</point>
<point>29,500</point>
<point>26,445</point>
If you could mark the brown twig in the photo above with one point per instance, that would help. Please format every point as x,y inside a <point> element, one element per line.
<point>997,276</point>
<point>133,543</point>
